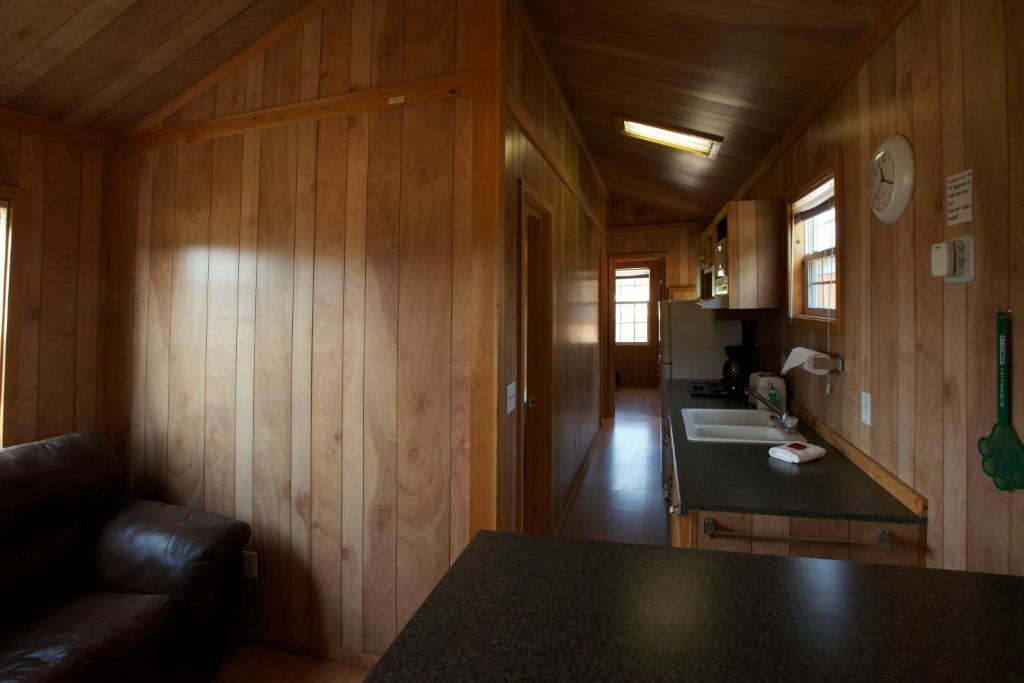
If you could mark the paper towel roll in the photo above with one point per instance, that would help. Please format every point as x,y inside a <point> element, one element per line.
<point>803,357</point>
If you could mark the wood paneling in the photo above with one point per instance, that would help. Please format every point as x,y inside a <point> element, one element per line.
<point>107,64</point>
<point>550,157</point>
<point>294,292</point>
<point>50,383</point>
<point>678,242</point>
<point>924,350</point>
<point>732,69</point>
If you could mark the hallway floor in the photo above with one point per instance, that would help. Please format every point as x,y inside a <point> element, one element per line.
<point>621,496</point>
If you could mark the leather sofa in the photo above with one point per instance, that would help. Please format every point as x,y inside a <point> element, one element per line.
<point>97,587</point>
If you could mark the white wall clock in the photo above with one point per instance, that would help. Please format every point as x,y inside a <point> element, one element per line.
<point>891,178</point>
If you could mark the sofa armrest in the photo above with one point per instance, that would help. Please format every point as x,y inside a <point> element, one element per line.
<point>150,547</point>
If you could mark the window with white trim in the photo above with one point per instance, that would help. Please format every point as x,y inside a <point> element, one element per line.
<point>632,305</point>
<point>814,267</point>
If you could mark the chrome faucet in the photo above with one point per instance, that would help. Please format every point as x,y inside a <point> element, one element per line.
<point>783,419</point>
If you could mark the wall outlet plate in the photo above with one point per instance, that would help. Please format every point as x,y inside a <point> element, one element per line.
<point>250,564</point>
<point>510,398</point>
<point>865,408</point>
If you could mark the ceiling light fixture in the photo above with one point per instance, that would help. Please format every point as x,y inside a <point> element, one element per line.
<point>701,144</point>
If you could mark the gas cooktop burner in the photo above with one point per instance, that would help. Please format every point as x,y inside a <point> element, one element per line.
<point>708,389</point>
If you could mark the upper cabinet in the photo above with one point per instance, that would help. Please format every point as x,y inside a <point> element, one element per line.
<point>741,257</point>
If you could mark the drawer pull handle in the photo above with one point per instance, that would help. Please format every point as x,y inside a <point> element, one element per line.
<point>884,542</point>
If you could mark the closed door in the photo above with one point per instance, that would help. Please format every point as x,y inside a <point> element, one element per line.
<point>536,348</point>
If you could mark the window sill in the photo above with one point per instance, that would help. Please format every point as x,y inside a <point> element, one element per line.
<point>816,323</point>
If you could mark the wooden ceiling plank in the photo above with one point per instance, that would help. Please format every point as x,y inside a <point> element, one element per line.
<point>671,108</point>
<point>645,25</point>
<point>886,22</point>
<point>857,12</point>
<point>293,23</point>
<point>27,23</point>
<point>108,54</point>
<point>596,66</point>
<point>742,71</point>
<point>145,69</point>
<point>766,18</point>
<point>56,47</point>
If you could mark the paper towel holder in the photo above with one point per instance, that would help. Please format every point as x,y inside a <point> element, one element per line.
<point>833,364</point>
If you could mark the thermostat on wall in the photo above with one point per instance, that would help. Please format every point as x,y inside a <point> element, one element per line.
<point>954,259</point>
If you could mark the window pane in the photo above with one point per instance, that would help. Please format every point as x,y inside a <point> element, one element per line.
<point>631,323</point>
<point>632,285</point>
<point>816,257</point>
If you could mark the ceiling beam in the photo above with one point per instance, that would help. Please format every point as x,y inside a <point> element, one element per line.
<point>289,25</point>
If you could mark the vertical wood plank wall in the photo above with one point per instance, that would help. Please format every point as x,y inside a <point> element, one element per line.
<point>293,357</point>
<point>577,245</point>
<point>53,321</point>
<point>950,79</point>
<point>677,242</point>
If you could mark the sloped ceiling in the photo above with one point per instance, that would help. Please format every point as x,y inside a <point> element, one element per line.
<point>105,64</point>
<point>739,69</point>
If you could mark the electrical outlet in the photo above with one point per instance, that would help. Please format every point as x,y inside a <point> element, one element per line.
<point>865,408</point>
<point>510,398</point>
<point>250,566</point>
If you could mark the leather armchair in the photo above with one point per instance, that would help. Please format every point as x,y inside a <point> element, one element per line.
<point>103,588</point>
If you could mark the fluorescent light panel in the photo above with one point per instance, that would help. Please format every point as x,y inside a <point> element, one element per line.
<point>694,143</point>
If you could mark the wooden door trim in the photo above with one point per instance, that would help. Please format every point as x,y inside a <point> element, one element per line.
<point>608,305</point>
<point>528,196</point>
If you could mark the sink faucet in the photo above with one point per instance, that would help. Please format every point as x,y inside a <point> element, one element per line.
<point>783,419</point>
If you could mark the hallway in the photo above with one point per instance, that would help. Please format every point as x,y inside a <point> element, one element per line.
<point>621,496</point>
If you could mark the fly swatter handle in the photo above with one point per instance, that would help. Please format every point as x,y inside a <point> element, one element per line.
<point>1003,366</point>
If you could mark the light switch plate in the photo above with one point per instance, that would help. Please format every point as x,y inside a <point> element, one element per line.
<point>865,408</point>
<point>510,398</point>
<point>250,566</point>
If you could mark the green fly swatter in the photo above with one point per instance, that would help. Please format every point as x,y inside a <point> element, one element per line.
<point>1002,453</point>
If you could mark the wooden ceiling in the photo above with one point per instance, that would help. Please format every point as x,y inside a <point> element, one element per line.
<point>739,69</point>
<point>105,64</point>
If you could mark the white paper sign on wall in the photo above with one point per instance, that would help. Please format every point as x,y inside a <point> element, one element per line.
<point>960,198</point>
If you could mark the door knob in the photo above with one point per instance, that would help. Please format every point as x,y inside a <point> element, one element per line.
<point>531,402</point>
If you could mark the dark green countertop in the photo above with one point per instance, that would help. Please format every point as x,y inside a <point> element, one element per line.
<point>727,477</point>
<point>529,608</point>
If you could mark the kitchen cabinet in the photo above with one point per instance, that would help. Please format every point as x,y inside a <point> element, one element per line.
<point>765,533</point>
<point>755,248</point>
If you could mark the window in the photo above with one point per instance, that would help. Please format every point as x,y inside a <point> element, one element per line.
<point>814,242</point>
<point>632,304</point>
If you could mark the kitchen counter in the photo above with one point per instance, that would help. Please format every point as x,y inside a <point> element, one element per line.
<point>732,477</point>
<point>528,608</point>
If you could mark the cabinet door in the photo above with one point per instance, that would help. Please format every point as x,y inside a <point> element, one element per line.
<point>756,237</point>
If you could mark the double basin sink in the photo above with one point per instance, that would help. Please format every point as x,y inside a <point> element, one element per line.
<point>734,426</point>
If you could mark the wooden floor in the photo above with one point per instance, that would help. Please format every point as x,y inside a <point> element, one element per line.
<point>621,496</point>
<point>253,664</point>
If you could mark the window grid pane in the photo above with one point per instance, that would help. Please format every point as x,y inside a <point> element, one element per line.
<point>631,323</point>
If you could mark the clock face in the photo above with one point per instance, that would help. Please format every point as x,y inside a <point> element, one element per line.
<point>883,180</point>
<point>891,179</point>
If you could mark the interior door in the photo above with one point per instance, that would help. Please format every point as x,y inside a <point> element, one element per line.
<point>536,349</point>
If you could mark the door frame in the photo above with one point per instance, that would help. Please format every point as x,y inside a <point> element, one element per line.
<point>607,305</point>
<point>530,200</point>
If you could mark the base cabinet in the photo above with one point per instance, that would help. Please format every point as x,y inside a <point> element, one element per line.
<point>794,536</point>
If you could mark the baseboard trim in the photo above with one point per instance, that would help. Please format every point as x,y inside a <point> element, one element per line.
<point>359,660</point>
<point>577,482</point>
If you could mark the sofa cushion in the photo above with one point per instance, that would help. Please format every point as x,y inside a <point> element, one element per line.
<point>54,495</point>
<point>91,637</point>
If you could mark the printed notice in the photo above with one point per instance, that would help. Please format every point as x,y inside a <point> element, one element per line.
<point>960,198</point>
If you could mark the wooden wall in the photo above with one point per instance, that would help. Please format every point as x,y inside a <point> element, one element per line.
<point>677,241</point>
<point>950,79</point>
<point>626,211</point>
<point>293,319</point>
<point>55,189</point>
<point>543,148</point>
